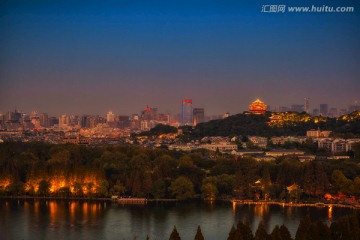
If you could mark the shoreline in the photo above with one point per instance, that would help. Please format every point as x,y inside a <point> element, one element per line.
<point>128,201</point>
<point>290,204</point>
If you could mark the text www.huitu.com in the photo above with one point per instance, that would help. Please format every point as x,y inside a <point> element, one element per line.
<point>306,9</point>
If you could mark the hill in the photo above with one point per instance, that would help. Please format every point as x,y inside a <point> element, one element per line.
<point>277,124</point>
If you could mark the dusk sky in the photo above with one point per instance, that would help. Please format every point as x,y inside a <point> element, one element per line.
<point>80,57</point>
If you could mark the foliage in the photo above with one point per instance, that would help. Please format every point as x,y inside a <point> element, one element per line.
<point>290,124</point>
<point>159,129</point>
<point>209,191</point>
<point>182,188</point>
<point>174,235</point>
<point>44,188</point>
<point>199,235</point>
<point>40,169</point>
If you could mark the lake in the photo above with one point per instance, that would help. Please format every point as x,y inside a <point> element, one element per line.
<point>58,219</point>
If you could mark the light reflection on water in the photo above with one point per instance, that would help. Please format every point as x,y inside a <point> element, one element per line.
<point>50,219</point>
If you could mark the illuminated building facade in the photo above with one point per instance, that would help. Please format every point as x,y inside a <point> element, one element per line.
<point>110,117</point>
<point>187,112</point>
<point>149,114</point>
<point>257,107</point>
<point>198,115</point>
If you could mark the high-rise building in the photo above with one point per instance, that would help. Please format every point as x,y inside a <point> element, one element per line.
<point>64,121</point>
<point>135,121</point>
<point>198,115</point>
<point>297,108</point>
<point>149,114</point>
<point>333,112</point>
<point>306,105</point>
<point>123,121</point>
<point>53,121</point>
<point>315,112</point>
<point>283,109</point>
<point>85,121</point>
<point>44,119</point>
<point>187,112</point>
<point>324,109</point>
<point>110,117</point>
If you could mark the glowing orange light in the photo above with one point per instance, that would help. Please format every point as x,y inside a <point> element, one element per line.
<point>330,212</point>
<point>233,206</point>
<point>4,182</point>
<point>257,107</point>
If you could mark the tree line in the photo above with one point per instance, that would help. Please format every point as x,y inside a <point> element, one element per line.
<point>67,170</point>
<point>346,228</point>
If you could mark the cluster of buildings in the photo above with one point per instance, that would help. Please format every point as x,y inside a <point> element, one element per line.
<point>112,129</point>
<point>323,109</point>
<point>147,119</point>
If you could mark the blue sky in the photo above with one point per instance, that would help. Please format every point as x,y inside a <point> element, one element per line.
<point>94,56</point>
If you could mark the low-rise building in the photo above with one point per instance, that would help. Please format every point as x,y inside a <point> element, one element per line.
<point>284,152</point>
<point>247,152</point>
<point>337,145</point>
<point>317,133</point>
<point>222,147</point>
<point>258,141</point>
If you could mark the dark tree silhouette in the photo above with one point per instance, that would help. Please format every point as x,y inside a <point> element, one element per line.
<point>261,233</point>
<point>199,235</point>
<point>174,235</point>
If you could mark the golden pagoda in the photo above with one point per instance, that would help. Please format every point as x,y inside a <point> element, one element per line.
<point>257,107</point>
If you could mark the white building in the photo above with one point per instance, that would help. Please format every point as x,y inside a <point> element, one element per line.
<point>259,141</point>
<point>317,133</point>
<point>222,147</point>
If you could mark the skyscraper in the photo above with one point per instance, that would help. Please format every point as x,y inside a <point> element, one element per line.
<point>187,112</point>
<point>64,121</point>
<point>198,115</point>
<point>306,105</point>
<point>333,112</point>
<point>324,109</point>
<point>297,108</point>
<point>110,117</point>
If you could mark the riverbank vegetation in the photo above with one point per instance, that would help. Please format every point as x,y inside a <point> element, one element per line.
<point>46,170</point>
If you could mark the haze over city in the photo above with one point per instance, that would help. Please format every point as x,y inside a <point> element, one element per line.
<point>67,57</point>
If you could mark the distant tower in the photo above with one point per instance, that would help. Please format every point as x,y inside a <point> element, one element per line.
<point>64,121</point>
<point>110,117</point>
<point>324,109</point>
<point>306,105</point>
<point>257,107</point>
<point>198,115</point>
<point>187,112</point>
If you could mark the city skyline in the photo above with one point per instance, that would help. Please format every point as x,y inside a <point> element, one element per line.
<point>68,57</point>
<point>178,110</point>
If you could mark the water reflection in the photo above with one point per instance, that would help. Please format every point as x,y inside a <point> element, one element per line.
<point>330,212</point>
<point>47,219</point>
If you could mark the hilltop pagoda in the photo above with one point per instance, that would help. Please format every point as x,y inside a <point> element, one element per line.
<point>257,107</point>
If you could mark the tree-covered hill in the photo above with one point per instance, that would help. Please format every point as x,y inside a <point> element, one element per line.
<point>278,124</point>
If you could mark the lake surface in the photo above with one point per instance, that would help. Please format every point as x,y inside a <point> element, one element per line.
<point>57,219</point>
